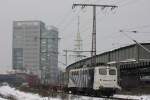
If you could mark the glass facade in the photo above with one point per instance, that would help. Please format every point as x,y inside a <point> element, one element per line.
<point>18,58</point>
<point>49,56</point>
<point>35,49</point>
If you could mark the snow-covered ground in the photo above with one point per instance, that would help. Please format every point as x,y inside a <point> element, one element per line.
<point>2,99</point>
<point>9,92</point>
<point>140,97</point>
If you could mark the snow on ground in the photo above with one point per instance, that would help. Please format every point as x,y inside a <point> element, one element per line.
<point>76,97</point>
<point>2,99</point>
<point>141,97</point>
<point>7,91</point>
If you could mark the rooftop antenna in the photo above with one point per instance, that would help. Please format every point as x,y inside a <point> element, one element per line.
<point>78,43</point>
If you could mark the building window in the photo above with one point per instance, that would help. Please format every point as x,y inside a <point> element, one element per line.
<point>18,58</point>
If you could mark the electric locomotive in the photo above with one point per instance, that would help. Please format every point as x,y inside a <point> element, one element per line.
<point>99,80</point>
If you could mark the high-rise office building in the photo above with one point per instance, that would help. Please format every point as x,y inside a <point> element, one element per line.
<point>49,55</point>
<point>35,49</point>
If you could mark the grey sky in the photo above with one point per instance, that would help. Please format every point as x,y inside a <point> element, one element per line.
<point>130,14</point>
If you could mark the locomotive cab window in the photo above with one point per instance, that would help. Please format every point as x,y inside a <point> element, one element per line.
<point>102,71</point>
<point>112,72</point>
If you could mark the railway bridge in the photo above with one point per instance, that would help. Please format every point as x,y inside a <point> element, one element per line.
<point>132,61</point>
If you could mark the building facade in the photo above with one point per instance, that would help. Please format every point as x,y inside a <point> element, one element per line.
<point>35,49</point>
<point>49,55</point>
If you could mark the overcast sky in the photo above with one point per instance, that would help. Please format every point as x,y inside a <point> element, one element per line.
<point>130,15</point>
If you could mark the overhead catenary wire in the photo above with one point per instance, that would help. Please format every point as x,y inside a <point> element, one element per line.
<point>135,31</point>
<point>69,23</point>
<point>132,2</point>
<point>129,3</point>
<point>68,14</point>
<point>137,28</point>
<point>87,28</point>
<point>70,20</point>
<point>86,1</point>
<point>135,41</point>
<point>115,2</point>
<point>64,18</point>
<point>121,3</point>
<point>90,19</point>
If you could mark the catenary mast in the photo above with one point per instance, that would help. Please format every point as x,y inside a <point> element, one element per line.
<point>93,51</point>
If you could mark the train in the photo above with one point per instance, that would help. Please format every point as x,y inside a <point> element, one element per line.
<point>99,80</point>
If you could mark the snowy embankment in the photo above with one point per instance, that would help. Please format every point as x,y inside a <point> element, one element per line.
<point>142,97</point>
<point>9,92</point>
<point>2,99</point>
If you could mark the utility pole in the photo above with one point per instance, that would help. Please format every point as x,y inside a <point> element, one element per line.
<point>93,51</point>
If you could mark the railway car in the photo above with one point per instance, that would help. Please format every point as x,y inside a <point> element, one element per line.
<point>100,80</point>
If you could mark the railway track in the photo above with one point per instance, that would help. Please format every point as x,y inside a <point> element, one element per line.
<point>107,98</point>
<point>117,98</point>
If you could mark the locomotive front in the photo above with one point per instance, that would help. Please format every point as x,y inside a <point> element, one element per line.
<point>106,80</point>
